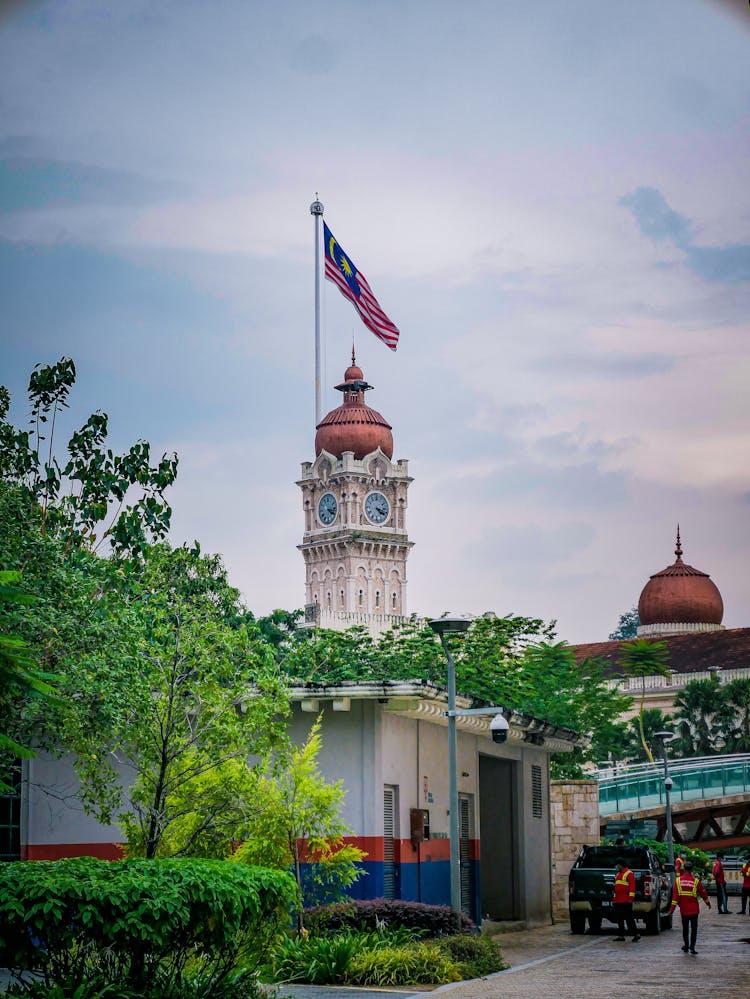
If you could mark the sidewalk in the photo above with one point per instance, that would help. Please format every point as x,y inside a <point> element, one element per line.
<point>551,962</point>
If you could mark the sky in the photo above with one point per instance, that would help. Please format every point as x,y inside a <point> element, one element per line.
<point>551,201</point>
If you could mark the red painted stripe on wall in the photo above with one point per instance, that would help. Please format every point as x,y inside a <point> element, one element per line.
<point>430,850</point>
<point>59,851</point>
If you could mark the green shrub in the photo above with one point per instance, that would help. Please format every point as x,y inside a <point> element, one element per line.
<point>150,924</point>
<point>477,956</point>
<point>239,984</point>
<point>417,964</point>
<point>434,920</point>
<point>88,990</point>
<point>319,960</point>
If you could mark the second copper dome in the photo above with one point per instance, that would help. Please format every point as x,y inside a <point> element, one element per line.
<point>680,594</point>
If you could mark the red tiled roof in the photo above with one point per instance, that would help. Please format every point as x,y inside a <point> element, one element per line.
<point>727,649</point>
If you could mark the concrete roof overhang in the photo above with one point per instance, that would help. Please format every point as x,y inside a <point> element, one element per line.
<point>428,702</point>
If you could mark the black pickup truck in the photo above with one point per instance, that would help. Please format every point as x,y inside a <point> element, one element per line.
<point>591,886</point>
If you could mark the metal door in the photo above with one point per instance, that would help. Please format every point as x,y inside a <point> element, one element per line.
<point>391,887</point>
<point>465,836</point>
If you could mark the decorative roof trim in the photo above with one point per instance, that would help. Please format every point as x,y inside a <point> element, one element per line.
<point>420,699</point>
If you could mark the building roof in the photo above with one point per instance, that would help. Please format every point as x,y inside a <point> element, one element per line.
<point>353,426</point>
<point>728,648</point>
<point>680,594</point>
<point>427,701</point>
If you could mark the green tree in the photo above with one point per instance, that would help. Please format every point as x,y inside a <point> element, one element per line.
<point>92,496</point>
<point>76,625</point>
<point>56,513</point>
<point>507,661</point>
<point>215,698</point>
<point>627,626</point>
<point>19,678</point>
<point>654,720</point>
<point>641,658</point>
<point>736,722</point>
<point>300,811</point>
<point>701,706</point>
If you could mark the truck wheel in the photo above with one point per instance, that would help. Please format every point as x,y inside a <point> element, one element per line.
<point>595,924</point>
<point>653,922</point>
<point>577,922</point>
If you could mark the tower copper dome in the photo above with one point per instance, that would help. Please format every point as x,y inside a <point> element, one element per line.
<point>680,594</point>
<point>353,426</point>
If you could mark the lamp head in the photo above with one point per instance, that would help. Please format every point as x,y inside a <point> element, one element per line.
<point>665,736</point>
<point>449,625</point>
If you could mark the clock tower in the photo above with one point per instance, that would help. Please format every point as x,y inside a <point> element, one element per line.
<point>354,498</point>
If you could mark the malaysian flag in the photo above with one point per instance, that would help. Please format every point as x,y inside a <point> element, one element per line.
<point>353,285</point>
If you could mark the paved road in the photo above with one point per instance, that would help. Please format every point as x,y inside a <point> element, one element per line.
<point>551,963</point>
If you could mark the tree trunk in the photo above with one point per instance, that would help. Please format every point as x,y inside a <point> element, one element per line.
<point>647,751</point>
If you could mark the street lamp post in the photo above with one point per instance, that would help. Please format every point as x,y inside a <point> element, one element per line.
<point>666,737</point>
<point>444,626</point>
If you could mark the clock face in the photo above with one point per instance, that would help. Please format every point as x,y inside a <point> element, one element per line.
<point>377,508</point>
<point>327,509</point>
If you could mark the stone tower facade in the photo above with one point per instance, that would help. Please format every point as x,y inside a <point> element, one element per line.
<point>354,497</point>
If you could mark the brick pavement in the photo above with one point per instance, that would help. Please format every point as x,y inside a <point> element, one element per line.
<point>550,962</point>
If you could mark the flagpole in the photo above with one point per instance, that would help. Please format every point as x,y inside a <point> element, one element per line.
<point>316,210</point>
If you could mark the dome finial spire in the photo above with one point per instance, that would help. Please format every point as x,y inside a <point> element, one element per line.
<point>678,549</point>
<point>354,356</point>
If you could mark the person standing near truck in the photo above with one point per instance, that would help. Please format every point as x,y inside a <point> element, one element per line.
<point>686,892</point>
<point>721,884</point>
<point>623,901</point>
<point>745,872</point>
<point>679,864</point>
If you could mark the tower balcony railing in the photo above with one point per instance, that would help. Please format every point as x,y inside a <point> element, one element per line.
<point>674,680</point>
<point>637,786</point>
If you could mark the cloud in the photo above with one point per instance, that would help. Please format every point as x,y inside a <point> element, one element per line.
<point>609,366</point>
<point>730,264</point>
<point>525,554</point>
<point>583,485</point>
<point>716,263</point>
<point>314,56</point>
<point>655,218</point>
<point>27,183</point>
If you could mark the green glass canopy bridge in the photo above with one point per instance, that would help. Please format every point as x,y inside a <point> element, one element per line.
<point>710,798</point>
<point>639,787</point>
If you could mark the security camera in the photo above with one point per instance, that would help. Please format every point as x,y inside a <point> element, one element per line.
<point>668,782</point>
<point>499,729</point>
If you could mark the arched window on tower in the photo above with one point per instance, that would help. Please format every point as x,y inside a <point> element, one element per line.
<point>361,597</point>
<point>394,600</point>
<point>328,600</point>
<point>377,598</point>
<point>341,598</point>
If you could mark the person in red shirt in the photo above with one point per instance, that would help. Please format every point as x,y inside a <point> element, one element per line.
<point>721,884</point>
<point>622,899</point>
<point>745,872</point>
<point>687,889</point>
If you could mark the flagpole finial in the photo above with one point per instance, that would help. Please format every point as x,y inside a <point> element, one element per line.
<point>316,208</point>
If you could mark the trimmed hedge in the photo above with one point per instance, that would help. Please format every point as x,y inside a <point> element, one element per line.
<point>146,923</point>
<point>477,956</point>
<point>434,920</point>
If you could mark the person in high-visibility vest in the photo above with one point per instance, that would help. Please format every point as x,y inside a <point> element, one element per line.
<point>679,864</point>
<point>720,880</point>
<point>623,897</point>
<point>745,872</point>
<point>686,893</point>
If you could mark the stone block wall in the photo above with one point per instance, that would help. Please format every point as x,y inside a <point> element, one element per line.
<point>574,817</point>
